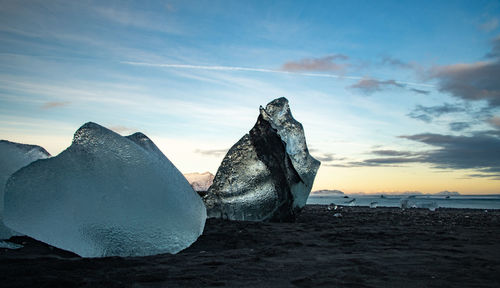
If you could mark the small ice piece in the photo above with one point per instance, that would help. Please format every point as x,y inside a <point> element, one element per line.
<point>9,245</point>
<point>331,206</point>
<point>338,215</point>
<point>406,203</point>
<point>351,202</point>
<point>14,156</point>
<point>105,195</point>
<point>432,206</point>
<point>373,204</point>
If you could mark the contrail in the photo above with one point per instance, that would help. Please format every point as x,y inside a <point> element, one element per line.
<point>235,68</point>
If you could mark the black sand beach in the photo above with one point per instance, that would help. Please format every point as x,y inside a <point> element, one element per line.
<point>382,247</point>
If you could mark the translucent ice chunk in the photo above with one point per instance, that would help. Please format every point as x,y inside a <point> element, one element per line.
<point>351,202</point>
<point>331,206</point>
<point>405,203</point>
<point>106,195</point>
<point>14,156</point>
<point>432,206</point>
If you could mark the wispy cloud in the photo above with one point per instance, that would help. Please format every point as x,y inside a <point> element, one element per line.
<point>459,126</point>
<point>419,91</point>
<point>212,152</point>
<point>50,105</point>
<point>495,49</point>
<point>489,25</point>
<point>369,86</point>
<point>427,113</point>
<point>148,20</point>
<point>327,157</point>
<point>388,60</point>
<point>326,63</point>
<point>393,153</point>
<point>263,70</point>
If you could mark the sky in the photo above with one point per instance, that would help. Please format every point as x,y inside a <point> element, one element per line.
<point>394,96</point>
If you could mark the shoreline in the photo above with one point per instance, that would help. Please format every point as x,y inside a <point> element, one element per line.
<point>362,247</point>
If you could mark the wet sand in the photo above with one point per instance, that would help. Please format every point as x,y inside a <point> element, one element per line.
<point>382,247</point>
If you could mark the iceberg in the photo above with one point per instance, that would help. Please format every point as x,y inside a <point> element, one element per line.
<point>14,156</point>
<point>105,195</point>
<point>268,174</point>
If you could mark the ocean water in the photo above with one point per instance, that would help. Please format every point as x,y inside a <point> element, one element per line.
<point>420,201</point>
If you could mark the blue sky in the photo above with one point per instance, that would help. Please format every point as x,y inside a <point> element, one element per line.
<point>401,94</point>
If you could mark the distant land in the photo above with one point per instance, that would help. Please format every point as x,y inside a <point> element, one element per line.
<point>200,181</point>
<point>327,192</point>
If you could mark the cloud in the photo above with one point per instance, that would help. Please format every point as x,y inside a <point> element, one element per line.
<point>422,117</point>
<point>489,25</point>
<point>149,20</point>
<point>388,160</point>
<point>213,152</point>
<point>316,64</point>
<point>392,153</point>
<point>427,113</point>
<point>472,81</point>
<point>459,126</point>
<point>495,50</point>
<point>425,92</point>
<point>396,63</point>
<point>327,157</point>
<point>479,152</point>
<point>369,86</point>
<point>170,7</point>
<point>50,105</point>
<point>495,122</point>
<point>440,109</point>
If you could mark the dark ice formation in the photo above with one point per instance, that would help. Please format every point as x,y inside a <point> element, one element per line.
<point>268,174</point>
<point>105,195</point>
<point>14,156</point>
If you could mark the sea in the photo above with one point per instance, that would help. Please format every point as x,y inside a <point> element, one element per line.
<point>431,202</point>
